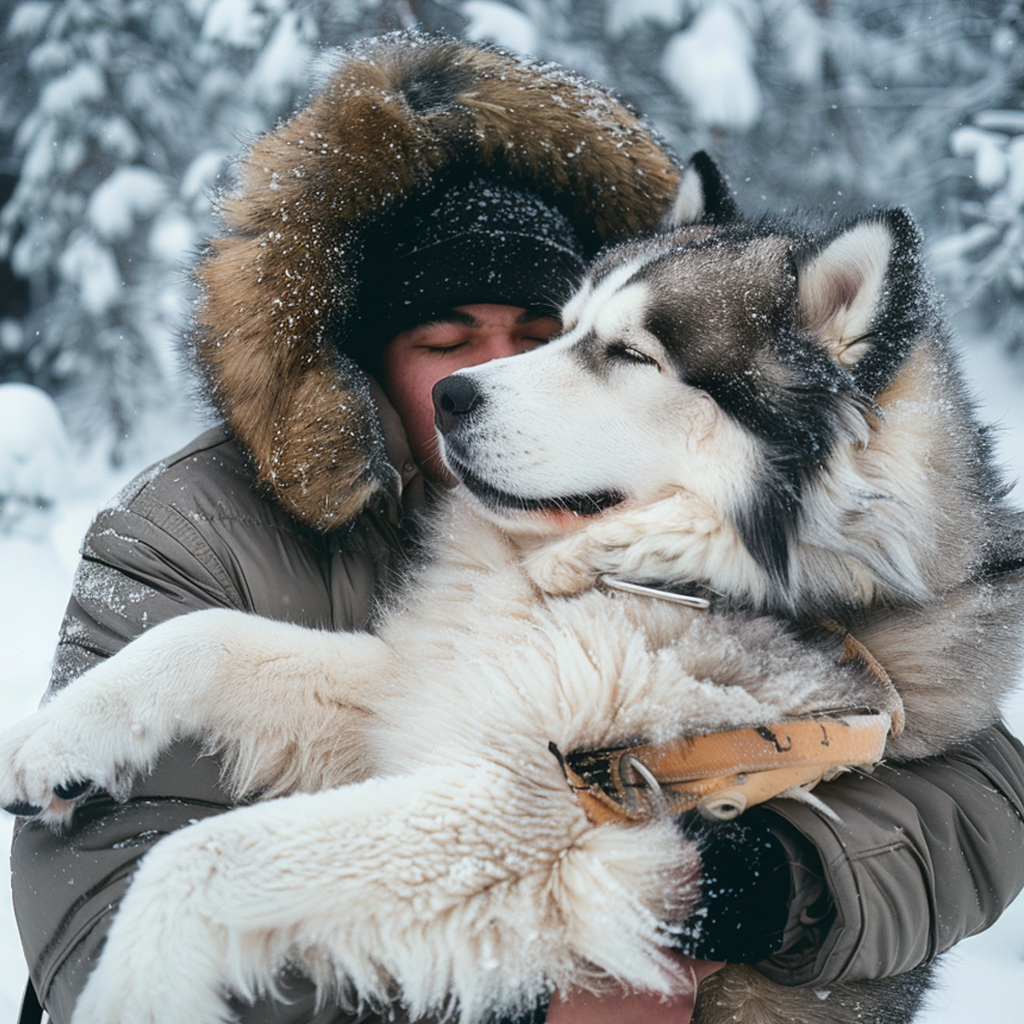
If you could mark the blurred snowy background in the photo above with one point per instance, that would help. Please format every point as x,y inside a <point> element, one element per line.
<point>119,120</point>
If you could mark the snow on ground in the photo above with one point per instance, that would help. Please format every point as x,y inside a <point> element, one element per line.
<point>981,980</point>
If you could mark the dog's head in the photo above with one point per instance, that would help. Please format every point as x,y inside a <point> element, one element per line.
<point>722,358</point>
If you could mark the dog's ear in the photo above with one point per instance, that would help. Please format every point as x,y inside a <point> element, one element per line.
<point>847,290</point>
<point>703,196</point>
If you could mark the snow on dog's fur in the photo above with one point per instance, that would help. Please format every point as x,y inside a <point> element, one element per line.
<point>769,414</point>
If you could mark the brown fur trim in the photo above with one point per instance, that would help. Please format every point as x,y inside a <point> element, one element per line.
<point>397,112</point>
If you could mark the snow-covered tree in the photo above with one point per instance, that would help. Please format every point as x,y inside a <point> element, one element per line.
<point>139,109</point>
<point>821,104</point>
<point>981,262</point>
<point>97,160</point>
<point>18,29</point>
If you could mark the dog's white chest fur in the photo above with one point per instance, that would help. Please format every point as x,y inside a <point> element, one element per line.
<point>494,662</point>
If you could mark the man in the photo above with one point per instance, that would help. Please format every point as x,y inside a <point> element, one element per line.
<point>429,211</point>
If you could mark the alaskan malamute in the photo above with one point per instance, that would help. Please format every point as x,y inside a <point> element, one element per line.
<point>764,418</point>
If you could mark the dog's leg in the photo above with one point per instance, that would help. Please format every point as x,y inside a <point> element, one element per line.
<point>462,884</point>
<point>256,688</point>
<point>678,539</point>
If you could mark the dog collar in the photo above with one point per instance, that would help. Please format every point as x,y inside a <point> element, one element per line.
<point>675,597</point>
<point>721,774</point>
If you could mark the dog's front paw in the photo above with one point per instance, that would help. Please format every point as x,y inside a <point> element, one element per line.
<point>164,960</point>
<point>155,980</point>
<point>53,759</point>
<point>649,880</point>
<point>43,770</point>
<point>118,993</point>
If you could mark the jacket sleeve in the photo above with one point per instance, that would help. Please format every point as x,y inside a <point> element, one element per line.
<point>135,573</point>
<point>912,859</point>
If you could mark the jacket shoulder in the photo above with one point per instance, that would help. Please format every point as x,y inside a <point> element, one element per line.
<point>173,527</point>
<point>207,479</point>
<point>192,532</point>
<point>200,516</point>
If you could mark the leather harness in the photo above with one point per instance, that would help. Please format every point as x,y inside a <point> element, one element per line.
<point>721,774</point>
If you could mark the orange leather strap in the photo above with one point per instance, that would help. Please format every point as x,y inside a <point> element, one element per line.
<point>722,773</point>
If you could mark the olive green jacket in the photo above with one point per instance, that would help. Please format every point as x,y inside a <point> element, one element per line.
<point>920,857</point>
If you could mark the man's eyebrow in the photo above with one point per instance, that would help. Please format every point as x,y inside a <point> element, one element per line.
<point>456,316</point>
<point>536,313</point>
<point>451,316</point>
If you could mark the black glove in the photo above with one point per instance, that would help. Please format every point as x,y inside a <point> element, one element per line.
<point>746,889</point>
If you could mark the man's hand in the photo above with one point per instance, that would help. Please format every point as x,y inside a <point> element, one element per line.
<point>623,1007</point>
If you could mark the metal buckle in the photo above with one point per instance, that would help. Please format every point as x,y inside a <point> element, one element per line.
<point>655,797</point>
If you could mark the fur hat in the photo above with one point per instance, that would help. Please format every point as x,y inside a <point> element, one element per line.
<point>400,114</point>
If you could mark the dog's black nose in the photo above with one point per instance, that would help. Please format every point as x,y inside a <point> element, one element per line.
<point>453,397</point>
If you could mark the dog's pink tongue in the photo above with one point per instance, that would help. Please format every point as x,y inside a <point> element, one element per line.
<point>619,1006</point>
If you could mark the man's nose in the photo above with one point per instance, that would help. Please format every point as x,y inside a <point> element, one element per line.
<point>454,397</point>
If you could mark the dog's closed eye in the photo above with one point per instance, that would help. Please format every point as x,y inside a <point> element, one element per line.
<point>628,354</point>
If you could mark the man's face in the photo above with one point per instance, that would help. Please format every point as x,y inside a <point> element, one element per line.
<point>416,359</point>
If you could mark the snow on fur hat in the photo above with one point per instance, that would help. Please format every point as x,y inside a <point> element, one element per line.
<point>400,113</point>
